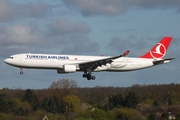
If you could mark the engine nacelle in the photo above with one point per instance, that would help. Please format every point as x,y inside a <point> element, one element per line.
<point>69,68</point>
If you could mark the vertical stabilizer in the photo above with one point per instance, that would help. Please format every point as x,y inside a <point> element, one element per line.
<point>159,50</point>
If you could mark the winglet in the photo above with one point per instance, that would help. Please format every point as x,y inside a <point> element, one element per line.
<point>159,50</point>
<point>126,53</point>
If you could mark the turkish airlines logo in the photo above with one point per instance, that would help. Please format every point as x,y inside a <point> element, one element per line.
<point>158,52</point>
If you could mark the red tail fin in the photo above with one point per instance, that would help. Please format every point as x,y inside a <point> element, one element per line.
<point>159,50</point>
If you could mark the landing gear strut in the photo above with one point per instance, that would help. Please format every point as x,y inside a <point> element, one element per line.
<point>88,76</point>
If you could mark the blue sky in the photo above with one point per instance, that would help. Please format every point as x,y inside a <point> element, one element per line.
<point>93,27</point>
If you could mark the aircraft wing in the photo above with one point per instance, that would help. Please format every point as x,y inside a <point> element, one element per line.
<point>157,62</point>
<point>94,64</point>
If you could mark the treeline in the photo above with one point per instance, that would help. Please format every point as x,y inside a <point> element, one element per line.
<point>65,100</point>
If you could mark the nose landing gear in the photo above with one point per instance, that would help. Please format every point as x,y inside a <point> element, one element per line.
<point>21,72</point>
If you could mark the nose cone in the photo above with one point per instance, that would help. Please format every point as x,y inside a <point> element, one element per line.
<point>6,61</point>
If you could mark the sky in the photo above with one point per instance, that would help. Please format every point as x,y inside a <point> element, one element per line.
<point>88,27</point>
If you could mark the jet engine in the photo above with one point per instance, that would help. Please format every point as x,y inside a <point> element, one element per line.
<point>69,68</point>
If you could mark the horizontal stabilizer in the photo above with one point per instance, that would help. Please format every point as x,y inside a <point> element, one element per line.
<point>157,62</point>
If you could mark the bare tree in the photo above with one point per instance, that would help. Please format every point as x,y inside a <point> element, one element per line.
<point>64,84</point>
<point>63,87</point>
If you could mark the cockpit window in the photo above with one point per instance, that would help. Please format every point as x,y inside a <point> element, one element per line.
<point>11,57</point>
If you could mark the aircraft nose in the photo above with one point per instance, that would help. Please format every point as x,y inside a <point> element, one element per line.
<point>6,61</point>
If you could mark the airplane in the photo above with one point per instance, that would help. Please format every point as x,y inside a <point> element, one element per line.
<point>89,64</point>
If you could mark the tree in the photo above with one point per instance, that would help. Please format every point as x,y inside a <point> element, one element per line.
<point>72,104</point>
<point>63,87</point>
<point>151,117</point>
<point>99,114</point>
<point>155,103</point>
<point>130,100</point>
<point>108,106</point>
<point>3,103</point>
<point>118,100</point>
<point>6,105</point>
<point>165,116</point>
<point>170,101</point>
<point>124,114</point>
<point>52,105</point>
<point>64,84</point>
<point>31,98</point>
<point>114,101</point>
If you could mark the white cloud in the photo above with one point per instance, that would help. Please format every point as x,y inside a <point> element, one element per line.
<point>10,11</point>
<point>6,10</point>
<point>19,34</point>
<point>19,38</point>
<point>61,27</point>
<point>96,7</point>
<point>116,7</point>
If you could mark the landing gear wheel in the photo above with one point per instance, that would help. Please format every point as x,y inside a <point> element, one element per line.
<point>84,75</point>
<point>93,77</point>
<point>88,78</point>
<point>21,72</point>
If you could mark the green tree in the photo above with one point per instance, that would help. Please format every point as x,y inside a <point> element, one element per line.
<point>155,103</point>
<point>170,101</point>
<point>44,104</point>
<point>124,114</point>
<point>49,104</point>
<point>31,98</point>
<point>72,104</point>
<point>151,117</point>
<point>130,100</point>
<point>108,106</point>
<point>21,107</point>
<point>178,116</point>
<point>6,104</point>
<point>59,105</point>
<point>52,105</point>
<point>165,116</point>
<point>3,103</point>
<point>116,99</point>
<point>99,114</point>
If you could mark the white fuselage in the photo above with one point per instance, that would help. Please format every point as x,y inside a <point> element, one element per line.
<point>54,61</point>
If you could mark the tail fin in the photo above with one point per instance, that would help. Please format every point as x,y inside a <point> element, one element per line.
<point>159,50</point>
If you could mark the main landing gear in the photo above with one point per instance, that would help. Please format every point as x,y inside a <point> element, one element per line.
<point>88,76</point>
